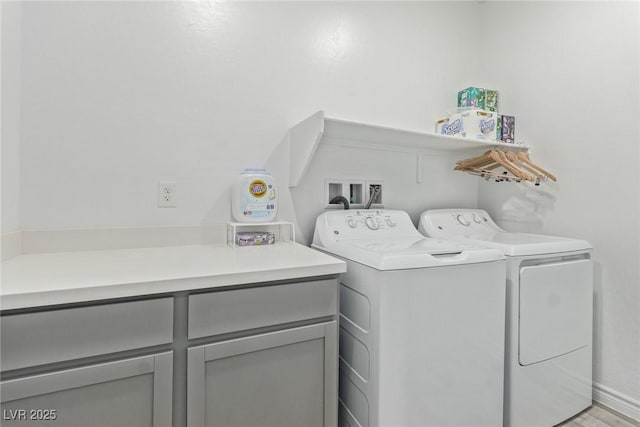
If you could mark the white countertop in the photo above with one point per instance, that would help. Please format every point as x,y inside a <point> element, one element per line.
<point>71,277</point>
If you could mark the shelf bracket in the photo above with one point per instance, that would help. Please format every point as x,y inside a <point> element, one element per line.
<point>303,142</point>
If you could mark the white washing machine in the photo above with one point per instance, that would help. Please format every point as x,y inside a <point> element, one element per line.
<point>549,315</point>
<point>421,324</point>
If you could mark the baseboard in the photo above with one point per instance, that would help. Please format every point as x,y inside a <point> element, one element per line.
<point>616,401</point>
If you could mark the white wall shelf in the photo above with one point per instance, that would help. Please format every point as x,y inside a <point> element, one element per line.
<point>290,160</point>
<point>304,138</point>
<point>365,135</point>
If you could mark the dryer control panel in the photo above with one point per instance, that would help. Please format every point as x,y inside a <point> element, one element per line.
<point>475,226</point>
<point>466,223</point>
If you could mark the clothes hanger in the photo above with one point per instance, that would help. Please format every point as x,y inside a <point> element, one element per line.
<point>490,174</point>
<point>481,160</point>
<point>526,159</point>
<point>514,159</point>
<point>518,166</point>
<point>490,160</point>
<point>502,159</point>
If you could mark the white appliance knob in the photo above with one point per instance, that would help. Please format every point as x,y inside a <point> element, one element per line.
<point>390,222</point>
<point>462,220</point>
<point>477,219</point>
<point>372,223</point>
<point>351,223</point>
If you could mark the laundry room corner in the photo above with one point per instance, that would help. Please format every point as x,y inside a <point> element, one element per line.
<point>575,93</point>
<point>302,212</point>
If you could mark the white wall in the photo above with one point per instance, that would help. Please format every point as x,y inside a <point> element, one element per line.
<point>569,72</point>
<point>117,96</point>
<point>441,186</point>
<point>10,112</point>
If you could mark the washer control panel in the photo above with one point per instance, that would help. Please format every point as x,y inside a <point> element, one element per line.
<point>364,224</point>
<point>468,223</point>
<point>463,220</point>
<point>371,219</point>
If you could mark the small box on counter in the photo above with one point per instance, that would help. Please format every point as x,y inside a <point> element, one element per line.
<point>508,129</point>
<point>255,238</point>
<point>479,124</point>
<point>484,99</point>
<point>451,125</point>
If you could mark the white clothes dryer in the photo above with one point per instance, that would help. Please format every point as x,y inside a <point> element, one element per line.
<point>421,323</point>
<point>549,317</point>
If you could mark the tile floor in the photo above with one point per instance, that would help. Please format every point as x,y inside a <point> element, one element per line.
<point>599,416</point>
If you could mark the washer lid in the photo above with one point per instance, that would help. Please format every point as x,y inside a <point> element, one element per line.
<point>400,254</point>
<point>475,226</point>
<point>388,240</point>
<point>520,244</point>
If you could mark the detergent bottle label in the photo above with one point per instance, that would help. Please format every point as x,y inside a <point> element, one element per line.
<point>255,198</point>
<point>258,188</point>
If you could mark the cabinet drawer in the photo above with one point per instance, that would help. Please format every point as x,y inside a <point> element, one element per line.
<point>53,336</point>
<point>229,311</point>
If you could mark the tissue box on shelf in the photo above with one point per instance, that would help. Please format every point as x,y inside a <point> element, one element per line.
<point>471,97</point>
<point>508,129</point>
<point>479,124</point>
<point>255,238</point>
<point>484,99</point>
<point>451,125</point>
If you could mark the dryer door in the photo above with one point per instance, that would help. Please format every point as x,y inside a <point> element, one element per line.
<point>556,305</point>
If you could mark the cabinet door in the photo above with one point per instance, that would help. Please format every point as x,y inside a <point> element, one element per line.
<point>131,392</point>
<point>284,378</point>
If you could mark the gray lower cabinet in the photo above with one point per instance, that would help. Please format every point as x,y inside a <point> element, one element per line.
<point>283,378</point>
<point>287,377</point>
<point>129,392</point>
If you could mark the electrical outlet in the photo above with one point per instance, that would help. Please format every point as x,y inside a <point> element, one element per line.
<point>166,194</point>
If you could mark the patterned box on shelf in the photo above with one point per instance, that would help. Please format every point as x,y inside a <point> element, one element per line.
<point>508,132</point>
<point>484,99</point>
<point>491,100</point>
